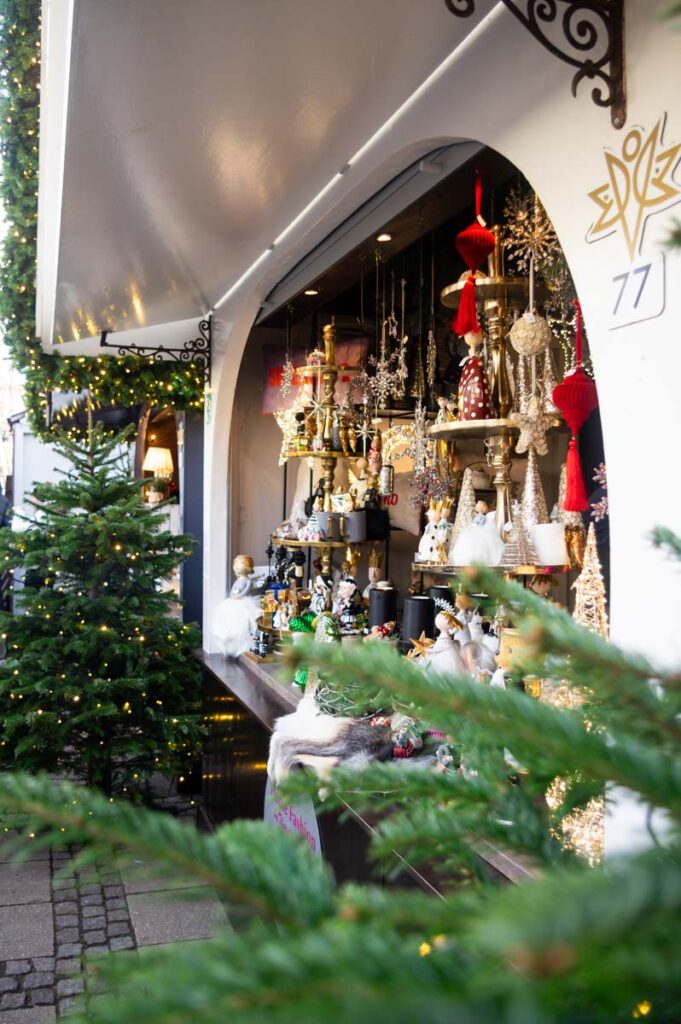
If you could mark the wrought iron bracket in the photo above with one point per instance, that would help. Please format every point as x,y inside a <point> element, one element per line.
<point>587,34</point>
<point>195,352</point>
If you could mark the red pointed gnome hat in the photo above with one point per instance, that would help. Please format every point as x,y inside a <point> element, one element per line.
<point>576,398</point>
<point>474,244</point>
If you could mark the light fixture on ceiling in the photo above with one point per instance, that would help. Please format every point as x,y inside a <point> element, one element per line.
<point>384,237</point>
<point>311,291</point>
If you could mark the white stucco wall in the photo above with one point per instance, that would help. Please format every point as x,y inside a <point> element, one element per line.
<point>507,92</point>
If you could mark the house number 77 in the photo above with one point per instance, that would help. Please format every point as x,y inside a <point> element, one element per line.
<point>638,293</point>
<point>643,272</point>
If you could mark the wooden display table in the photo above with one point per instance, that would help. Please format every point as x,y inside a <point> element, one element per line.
<point>242,700</point>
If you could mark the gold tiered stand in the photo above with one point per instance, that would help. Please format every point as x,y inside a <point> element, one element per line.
<point>328,372</point>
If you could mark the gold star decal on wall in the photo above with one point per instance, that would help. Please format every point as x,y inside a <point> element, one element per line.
<point>640,182</point>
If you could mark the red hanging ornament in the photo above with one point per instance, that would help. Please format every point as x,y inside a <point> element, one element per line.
<point>474,244</point>
<point>576,398</point>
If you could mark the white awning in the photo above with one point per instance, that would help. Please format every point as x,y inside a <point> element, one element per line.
<point>178,141</point>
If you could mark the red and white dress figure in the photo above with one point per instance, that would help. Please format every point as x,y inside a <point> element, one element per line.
<point>475,401</point>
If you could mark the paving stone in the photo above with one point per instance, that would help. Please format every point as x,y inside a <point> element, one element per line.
<point>38,980</point>
<point>25,883</point>
<point>118,915</point>
<point>17,967</point>
<point>9,984</point>
<point>67,920</point>
<point>69,907</point>
<point>124,942</point>
<point>91,911</point>
<point>94,938</point>
<point>65,1005</point>
<point>66,892</point>
<point>113,890</point>
<point>69,949</point>
<point>44,963</point>
<point>92,901</point>
<point>93,923</point>
<point>26,931</point>
<point>116,904</point>
<point>90,890</point>
<point>38,996</point>
<point>68,966</point>
<point>36,1015</point>
<point>123,928</point>
<point>70,987</point>
<point>12,1001</point>
<point>68,935</point>
<point>96,950</point>
<point>159,917</point>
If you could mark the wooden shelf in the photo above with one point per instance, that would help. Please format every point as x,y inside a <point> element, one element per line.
<point>472,428</point>
<point>511,570</point>
<point>325,543</point>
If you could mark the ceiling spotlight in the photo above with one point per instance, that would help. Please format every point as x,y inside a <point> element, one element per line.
<point>384,237</point>
<point>311,291</point>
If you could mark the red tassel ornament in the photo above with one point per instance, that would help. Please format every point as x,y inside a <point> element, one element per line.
<point>474,244</point>
<point>575,398</point>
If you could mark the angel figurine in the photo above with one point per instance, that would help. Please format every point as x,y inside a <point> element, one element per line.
<point>234,619</point>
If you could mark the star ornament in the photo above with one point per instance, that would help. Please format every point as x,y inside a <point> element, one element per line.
<point>421,646</point>
<point>640,183</point>
<point>533,425</point>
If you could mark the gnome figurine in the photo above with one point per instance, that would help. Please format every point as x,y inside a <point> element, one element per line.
<point>428,545</point>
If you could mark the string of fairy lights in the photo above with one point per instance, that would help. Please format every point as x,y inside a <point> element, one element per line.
<point>111,381</point>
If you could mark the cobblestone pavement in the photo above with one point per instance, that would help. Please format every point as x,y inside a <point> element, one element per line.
<point>53,918</point>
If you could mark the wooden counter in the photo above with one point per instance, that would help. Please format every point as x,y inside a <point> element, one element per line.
<point>242,700</point>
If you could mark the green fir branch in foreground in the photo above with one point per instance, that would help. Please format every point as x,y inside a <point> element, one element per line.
<point>573,944</point>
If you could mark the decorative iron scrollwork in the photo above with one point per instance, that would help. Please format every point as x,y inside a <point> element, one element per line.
<point>587,34</point>
<point>195,352</point>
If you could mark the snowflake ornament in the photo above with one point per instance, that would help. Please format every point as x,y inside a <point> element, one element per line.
<point>528,232</point>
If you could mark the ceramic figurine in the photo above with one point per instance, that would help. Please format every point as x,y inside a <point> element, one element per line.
<point>475,402</point>
<point>480,542</point>
<point>480,660</point>
<point>428,545</point>
<point>321,594</point>
<point>359,479</point>
<point>235,618</point>
<point>444,657</point>
<point>375,572</point>
<point>311,530</point>
<point>444,530</point>
<point>349,607</point>
<point>375,456</point>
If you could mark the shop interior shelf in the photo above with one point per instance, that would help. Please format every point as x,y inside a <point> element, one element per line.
<point>325,543</point>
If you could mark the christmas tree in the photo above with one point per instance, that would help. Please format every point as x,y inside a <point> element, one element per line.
<point>98,681</point>
<point>571,944</point>
<point>533,502</point>
<point>589,588</point>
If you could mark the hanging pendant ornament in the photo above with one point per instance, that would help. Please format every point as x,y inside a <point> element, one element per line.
<point>431,349</point>
<point>474,244</point>
<point>533,424</point>
<point>549,384</point>
<point>521,395</point>
<point>287,371</point>
<point>386,480</point>
<point>530,334</point>
<point>576,398</point>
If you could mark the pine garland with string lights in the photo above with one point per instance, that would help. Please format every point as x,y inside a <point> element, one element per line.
<point>98,680</point>
<point>111,381</point>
